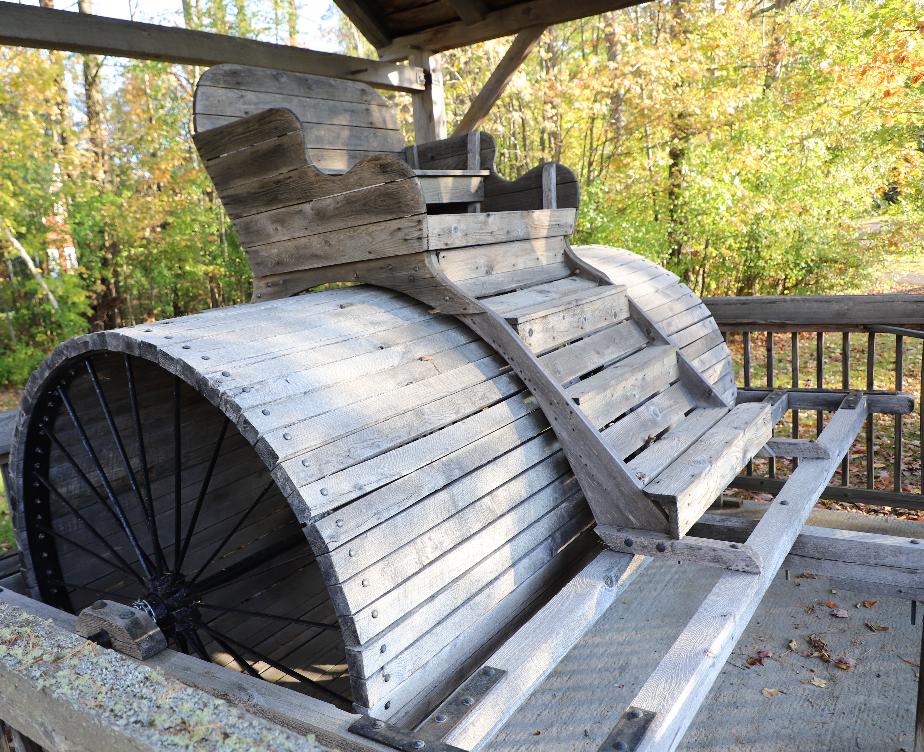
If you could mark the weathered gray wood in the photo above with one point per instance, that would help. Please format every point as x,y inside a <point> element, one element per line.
<point>598,349</point>
<point>460,230</point>
<point>544,326</point>
<point>897,403</point>
<point>60,30</point>
<point>830,312</point>
<point>643,425</point>
<point>690,484</point>
<point>530,654</point>
<point>429,105</point>
<point>614,390</point>
<point>738,557</point>
<point>801,448</point>
<point>677,687</point>
<point>481,105</point>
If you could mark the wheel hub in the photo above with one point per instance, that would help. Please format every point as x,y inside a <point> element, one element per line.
<point>170,603</point>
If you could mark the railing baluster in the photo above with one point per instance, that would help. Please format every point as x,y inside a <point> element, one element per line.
<point>845,383</point>
<point>770,364</point>
<point>746,337</point>
<point>747,360</point>
<point>819,377</point>
<point>794,341</point>
<point>870,381</point>
<point>921,423</point>
<point>899,383</point>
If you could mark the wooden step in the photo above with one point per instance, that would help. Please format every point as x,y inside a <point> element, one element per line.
<point>606,395</point>
<point>688,486</point>
<point>545,325</point>
<point>461,187</point>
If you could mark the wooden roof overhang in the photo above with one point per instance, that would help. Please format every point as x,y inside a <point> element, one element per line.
<point>394,27</point>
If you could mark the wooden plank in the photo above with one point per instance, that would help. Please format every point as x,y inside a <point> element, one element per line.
<point>786,447</point>
<point>459,230</point>
<point>738,557</point>
<point>545,326</point>
<point>502,282</point>
<point>599,349</point>
<point>513,58</point>
<point>696,478</point>
<point>298,712</point>
<point>489,581</point>
<point>546,294</point>
<point>497,23</point>
<point>830,312</point>
<point>611,392</point>
<point>537,647</point>
<point>428,106</point>
<point>659,454</point>
<point>650,419</point>
<point>448,189</point>
<point>470,11</point>
<point>61,30</point>
<point>471,263</point>
<point>677,687</point>
<point>446,483</point>
<point>326,123</point>
<point>888,402</point>
<point>75,691</point>
<point>7,423</point>
<point>377,685</point>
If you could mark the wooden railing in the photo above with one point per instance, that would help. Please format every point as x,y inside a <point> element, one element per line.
<point>843,342</point>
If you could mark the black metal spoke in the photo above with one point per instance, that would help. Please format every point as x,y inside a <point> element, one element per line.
<point>110,493</point>
<point>177,475</point>
<point>143,460</point>
<point>181,642</point>
<point>200,499</point>
<point>237,526</point>
<point>55,534</point>
<point>298,676</point>
<point>198,645</point>
<point>260,614</point>
<point>235,656</point>
<point>93,531</point>
<point>246,565</point>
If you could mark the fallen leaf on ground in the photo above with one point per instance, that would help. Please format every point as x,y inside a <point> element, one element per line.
<point>794,646</point>
<point>769,692</point>
<point>829,604</point>
<point>877,627</point>
<point>845,664</point>
<point>869,604</point>
<point>806,576</point>
<point>840,613</point>
<point>820,648</point>
<point>819,682</point>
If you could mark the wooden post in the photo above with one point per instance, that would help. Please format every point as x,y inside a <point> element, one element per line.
<point>481,105</point>
<point>429,104</point>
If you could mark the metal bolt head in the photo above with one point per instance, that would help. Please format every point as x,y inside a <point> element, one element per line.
<point>487,671</point>
<point>418,744</point>
<point>734,545</point>
<point>378,724</point>
<point>915,541</point>
<point>661,547</point>
<point>608,581</point>
<point>440,718</point>
<point>98,605</point>
<point>621,747</point>
<point>126,614</point>
<point>634,714</point>
<point>628,542</point>
<point>468,701</point>
<point>784,503</point>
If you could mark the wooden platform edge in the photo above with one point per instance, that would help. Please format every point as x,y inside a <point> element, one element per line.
<point>289,720</point>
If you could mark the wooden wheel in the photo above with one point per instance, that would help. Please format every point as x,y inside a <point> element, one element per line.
<point>136,489</point>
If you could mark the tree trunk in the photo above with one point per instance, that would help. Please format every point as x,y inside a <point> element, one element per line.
<point>677,153</point>
<point>292,18</point>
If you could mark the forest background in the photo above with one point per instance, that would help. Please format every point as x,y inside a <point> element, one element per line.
<point>751,148</point>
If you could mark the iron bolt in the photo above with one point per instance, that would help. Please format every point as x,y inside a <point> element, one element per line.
<point>629,542</point>
<point>418,744</point>
<point>378,724</point>
<point>621,747</point>
<point>468,701</point>
<point>99,604</point>
<point>126,614</point>
<point>634,714</point>
<point>661,547</point>
<point>441,718</point>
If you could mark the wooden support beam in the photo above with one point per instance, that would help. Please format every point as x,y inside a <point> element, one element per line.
<point>898,403</point>
<point>470,11</point>
<point>271,702</point>
<point>868,559</point>
<point>800,448</point>
<point>537,647</point>
<point>829,312</point>
<point>481,105</point>
<point>367,20</point>
<point>497,23</point>
<point>871,496</point>
<point>429,105</point>
<point>44,28</point>
<point>680,683</point>
<point>65,693</point>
